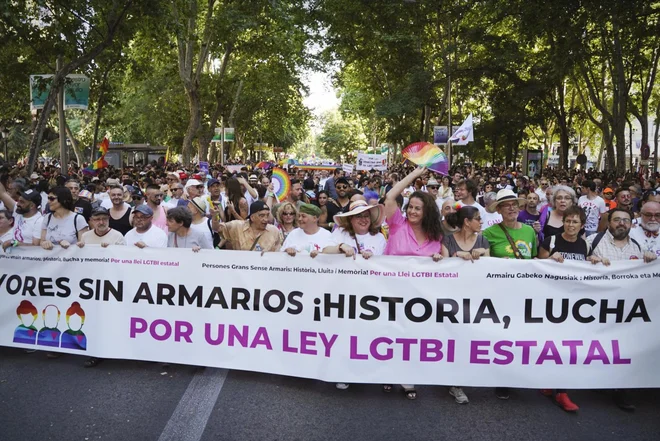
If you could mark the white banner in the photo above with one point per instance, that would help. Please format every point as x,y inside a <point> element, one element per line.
<point>367,161</point>
<point>348,168</point>
<point>400,320</point>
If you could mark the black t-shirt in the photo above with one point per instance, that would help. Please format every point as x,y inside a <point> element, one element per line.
<point>83,207</point>
<point>332,210</point>
<point>577,250</point>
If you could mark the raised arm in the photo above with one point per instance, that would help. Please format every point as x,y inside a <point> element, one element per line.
<point>6,199</point>
<point>390,198</point>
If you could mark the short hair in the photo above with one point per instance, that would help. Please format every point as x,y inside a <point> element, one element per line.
<point>621,190</point>
<point>337,171</point>
<point>8,215</point>
<point>566,189</point>
<point>591,185</point>
<point>295,181</point>
<point>617,209</point>
<point>575,210</point>
<point>180,215</point>
<point>153,187</point>
<point>470,186</point>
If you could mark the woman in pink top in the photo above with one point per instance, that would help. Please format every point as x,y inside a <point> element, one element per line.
<point>418,234</point>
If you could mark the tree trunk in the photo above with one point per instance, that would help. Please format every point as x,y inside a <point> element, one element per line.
<point>656,140</point>
<point>74,144</point>
<point>195,108</point>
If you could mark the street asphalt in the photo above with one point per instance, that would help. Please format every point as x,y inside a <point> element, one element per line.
<point>43,399</point>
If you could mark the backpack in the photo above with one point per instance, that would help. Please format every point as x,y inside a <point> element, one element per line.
<point>75,223</point>
<point>216,236</point>
<point>599,237</point>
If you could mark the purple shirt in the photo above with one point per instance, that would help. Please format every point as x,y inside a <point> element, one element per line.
<point>402,241</point>
<point>524,217</point>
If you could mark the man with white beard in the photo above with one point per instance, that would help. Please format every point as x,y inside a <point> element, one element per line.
<point>646,233</point>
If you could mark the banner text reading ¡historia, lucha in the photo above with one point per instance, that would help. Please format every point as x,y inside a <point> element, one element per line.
<point>496,322</point>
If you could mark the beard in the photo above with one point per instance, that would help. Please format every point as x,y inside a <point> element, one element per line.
<point>653,227</point>
<point>619,233</point>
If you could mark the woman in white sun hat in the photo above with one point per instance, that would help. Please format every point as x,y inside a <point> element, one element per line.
<point>358,231</point>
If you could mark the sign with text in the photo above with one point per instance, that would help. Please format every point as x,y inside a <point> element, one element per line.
<point>399,320</point>
<point>370,161</point>
<point>348,168</point>
<point>76,91</point>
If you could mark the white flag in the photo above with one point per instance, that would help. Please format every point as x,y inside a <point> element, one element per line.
<point>464,134</point>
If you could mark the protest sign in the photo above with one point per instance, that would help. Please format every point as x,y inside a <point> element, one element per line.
<point>370,161</point>
<point>400,320</point>
<point>348,168</point>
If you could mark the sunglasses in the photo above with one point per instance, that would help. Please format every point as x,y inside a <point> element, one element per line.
<point>52,198</point>
<point>432,187</point>
<point>199,186</point>
<point>288,213</point>
<point>341,187</point>
<point>137,197</point>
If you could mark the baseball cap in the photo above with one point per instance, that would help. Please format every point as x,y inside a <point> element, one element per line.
<point>32,196</point>
<point>137,192</point>
<point>192,183</point>
<point>85,194</point>
<point>342,181</point>
<point>608,190</point>
<point>144,209</point>
<point>34,176</point>
<point>99,211</point>
<point>253,177</point>
<point>258,206</point>
<point>213,182</point>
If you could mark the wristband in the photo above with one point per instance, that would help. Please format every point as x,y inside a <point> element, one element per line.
<point>15,243</point>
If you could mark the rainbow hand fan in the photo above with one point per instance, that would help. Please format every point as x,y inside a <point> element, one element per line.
<point>427,155</point>
<point>281,183</point>
<point>264,165</point>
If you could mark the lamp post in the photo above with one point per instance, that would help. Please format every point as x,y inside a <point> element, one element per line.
<point>5,136</point>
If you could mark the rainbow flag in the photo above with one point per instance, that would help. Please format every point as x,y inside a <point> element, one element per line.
<point>427,155</point>
<point>101,162</point>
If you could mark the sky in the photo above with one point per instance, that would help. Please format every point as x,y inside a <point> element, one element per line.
<point>322,96</point>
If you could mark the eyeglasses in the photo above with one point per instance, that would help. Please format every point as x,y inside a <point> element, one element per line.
<point>563,198</point>
<point>52,198</point>
<point>362,216</point>
<point>651,215</point>
<point>620,220</point>
<point>432,187</point>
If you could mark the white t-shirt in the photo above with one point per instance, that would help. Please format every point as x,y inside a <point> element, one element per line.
<point>195,238</point>
<point>112,237</point>
<point>543,199</point>
<point>490,220</point>
<point>59,229</point>
<point>154,237</point>
<point>9,235</point>
<point>203,228</point>
<point>647,243</point>
<point>593,209</point>
<point>25,229</point>
<point>375,244</point>
<point>305,243</point>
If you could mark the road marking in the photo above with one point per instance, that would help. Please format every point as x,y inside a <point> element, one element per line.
<point>189,419</point>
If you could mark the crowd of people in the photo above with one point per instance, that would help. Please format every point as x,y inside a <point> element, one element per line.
<point>473,212</point>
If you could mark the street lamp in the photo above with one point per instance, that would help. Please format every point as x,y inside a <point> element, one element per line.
<point>5,136</point>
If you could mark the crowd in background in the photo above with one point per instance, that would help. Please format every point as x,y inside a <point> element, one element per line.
<point>471,213</point>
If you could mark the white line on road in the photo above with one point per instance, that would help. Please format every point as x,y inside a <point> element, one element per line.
<point>193,411</point>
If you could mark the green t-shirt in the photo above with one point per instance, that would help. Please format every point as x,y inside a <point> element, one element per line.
<point>524,238</point>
